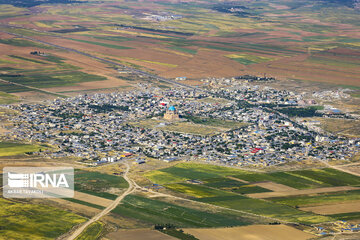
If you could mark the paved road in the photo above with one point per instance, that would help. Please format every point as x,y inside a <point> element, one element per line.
<point>107,210</point>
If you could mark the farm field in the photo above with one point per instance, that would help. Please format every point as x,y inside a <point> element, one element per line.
<point>301,179</point>
<point>319,199</point>
<point>302,192</point>
<point>91,199</point>
<point>215,187</point>
<point>92,232</point>
<point>331,209</point>
<point>153,211</point>
<point>35,221</point>
<point>255,232</point>
<point>11,148</point>
<point>98,184</point>
<point>207,39</point>
<point>6,98</point>
<point>139,234</point>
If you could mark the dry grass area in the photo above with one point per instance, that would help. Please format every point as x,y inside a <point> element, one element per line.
<point>254,232</point>
<point>345,127</point>
<point>92,199</point>
<point>139,234</point>
<point>186,127</point>
<point>334,208</point>
<point>301,192</point>
<point>276,187</point>
<point>72,206</point>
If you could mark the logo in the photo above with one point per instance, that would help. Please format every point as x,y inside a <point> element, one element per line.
<point>38,182</point>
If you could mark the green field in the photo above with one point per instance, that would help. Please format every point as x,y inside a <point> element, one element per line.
<point>102,44</point>
<point>11,148</point>
<point>84,203</point>
<point>6,98</point>
<point>216,189</point>
<point>27,59</point>
<point>196,191</point>
<point>265,208</point>
<point>98,184</point>
<point>23,43</point>
<point>247,59</point>
<point>34,221</point>
<point>92,232</point>
<point>51,79</point>
<point>318,199</point>
<point>185,50</point>
<point>158,212</point>
<point>243,203</point>
<point>303,179</point>
<point>184,171</point>
<point>346,216</point>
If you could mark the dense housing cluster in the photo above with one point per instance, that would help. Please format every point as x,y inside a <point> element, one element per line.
<point>102,125</point>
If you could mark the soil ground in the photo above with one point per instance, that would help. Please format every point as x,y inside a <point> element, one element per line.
<point>334,208</point>
<point>301,192</point>
<point>254,232</point>
<point>139,234</point>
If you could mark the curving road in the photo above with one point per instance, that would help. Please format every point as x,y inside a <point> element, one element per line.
<point>104,212</point>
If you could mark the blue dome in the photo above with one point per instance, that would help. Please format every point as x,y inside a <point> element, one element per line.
<point>171,108</point>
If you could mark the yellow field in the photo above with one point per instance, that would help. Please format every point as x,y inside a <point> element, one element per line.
<point>254,232</point>
<point>10,149</point>
<point>139,234</point>
<point>353,206</point>
<point>33,221</point>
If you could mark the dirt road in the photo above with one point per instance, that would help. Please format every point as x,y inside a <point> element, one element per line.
<point>130,189</point>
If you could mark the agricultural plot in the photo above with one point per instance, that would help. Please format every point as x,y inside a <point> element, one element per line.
<point>98,184</point>
<point>6,98</point>
<point>23,43</point>
<point>102,44</point>
<point>331,209</point>
<point>254,232</point>
<point>196,191</point>
<point>92,232</point>
<point>346,216</point>
<point>185,171</point>
<point>53,79</point>
<point>159,212</point>
<point>10,148</point>
<point>227,184</point>
<point>247,59</point>
<point>243,203</point>
<point>304,179</point>
<point>265,208</point>
<point>138,234</point>
<point>34,221</point>
<point>319,199</point>
<point>216,189</point>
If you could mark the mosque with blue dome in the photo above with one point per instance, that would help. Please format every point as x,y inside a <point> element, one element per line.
<point>171,114</point>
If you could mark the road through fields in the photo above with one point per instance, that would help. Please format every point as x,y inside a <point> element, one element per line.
<point>107,210</point>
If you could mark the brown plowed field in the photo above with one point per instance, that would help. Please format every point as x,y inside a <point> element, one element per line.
<point>301,192</point>
<point>254,232</point>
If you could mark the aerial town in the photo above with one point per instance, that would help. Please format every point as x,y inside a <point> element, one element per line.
<point>103,128</point>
